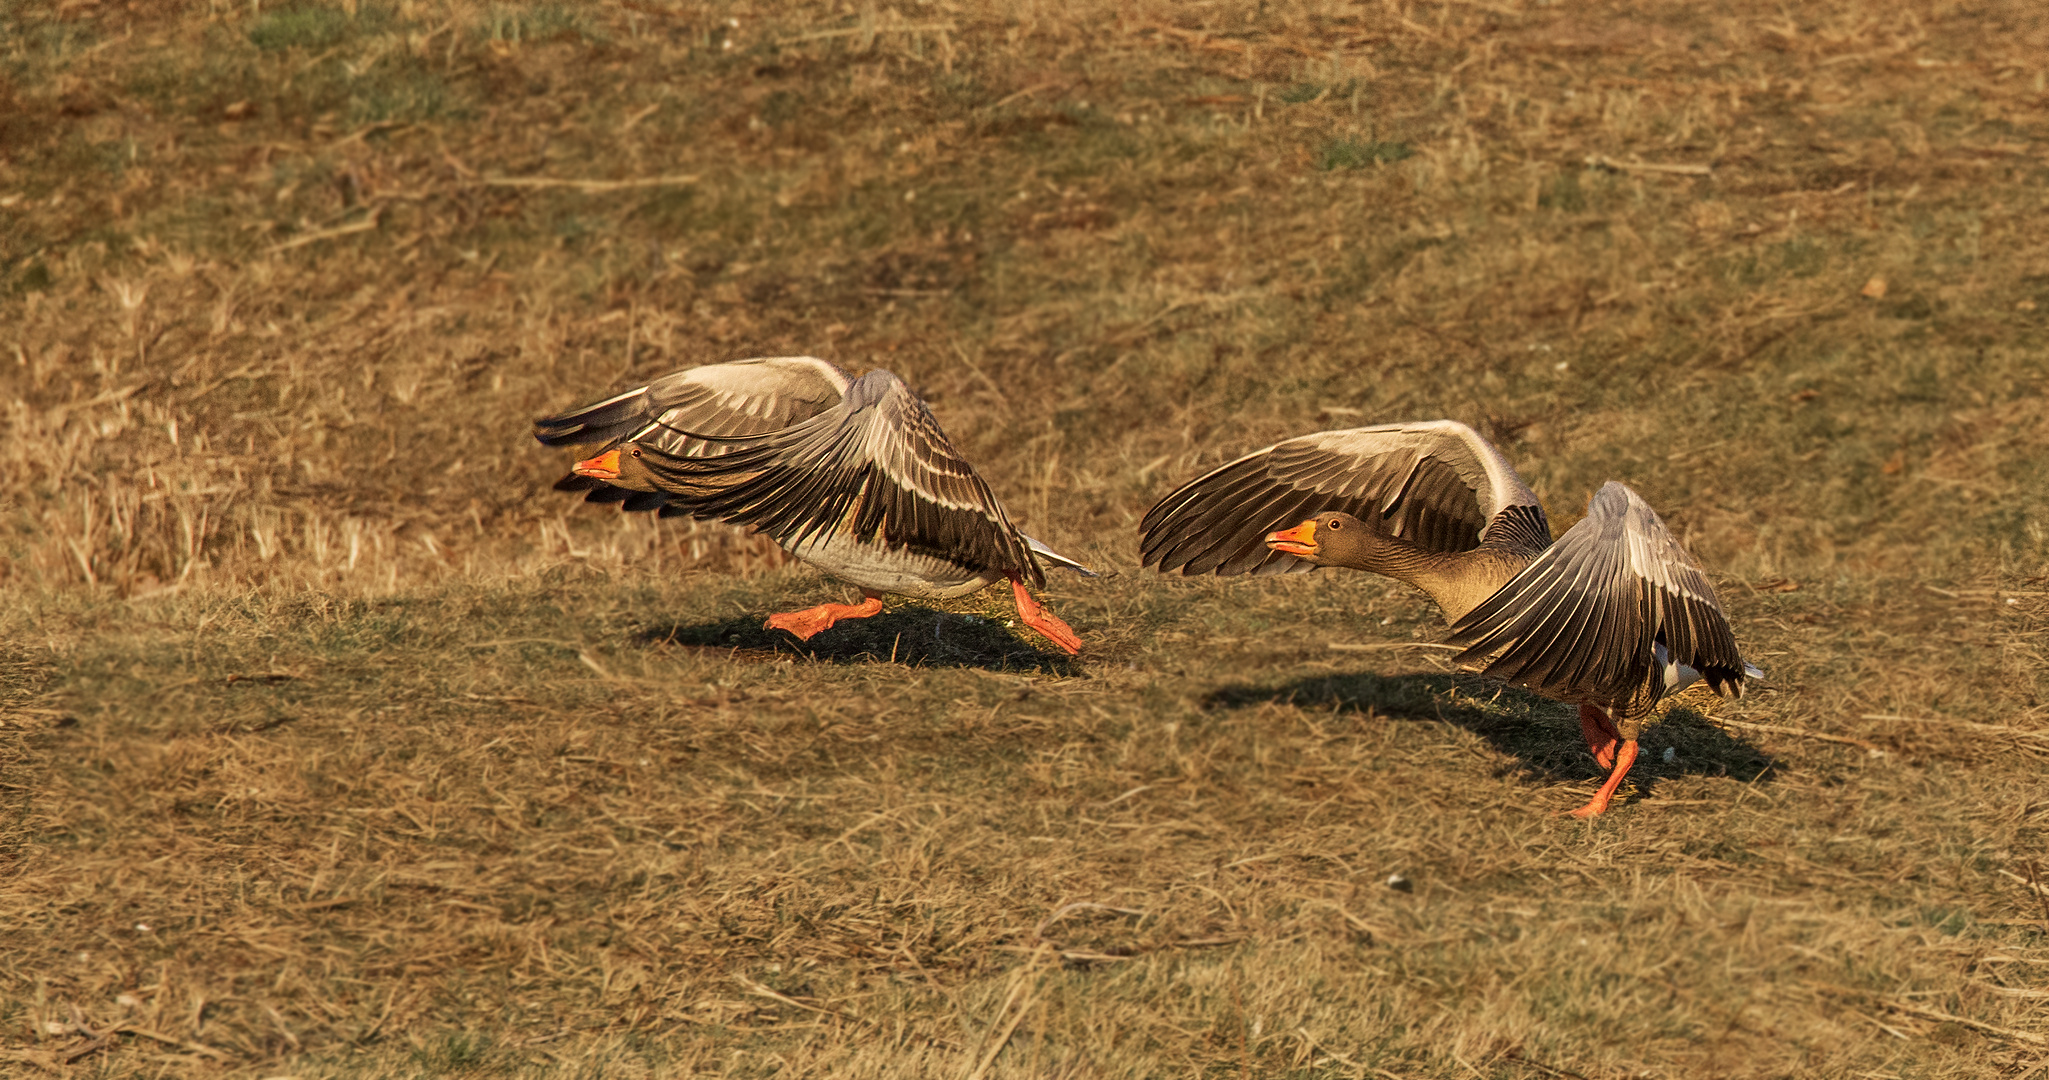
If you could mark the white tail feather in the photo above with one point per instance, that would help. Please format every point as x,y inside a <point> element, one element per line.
<point>1056,559</point>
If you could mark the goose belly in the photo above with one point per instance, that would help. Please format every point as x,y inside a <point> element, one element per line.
<point>892,570</point>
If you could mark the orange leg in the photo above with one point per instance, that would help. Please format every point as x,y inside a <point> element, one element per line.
<point>1625,756</point>
<point>1038,618</point>
<point>811,621</point>
<point>1601,734</point>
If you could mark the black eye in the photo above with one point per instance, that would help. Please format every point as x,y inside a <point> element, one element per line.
<point>1336,524</point>
<point>636,451</point>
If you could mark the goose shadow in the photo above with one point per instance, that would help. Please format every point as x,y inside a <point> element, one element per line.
<point>913,636</point>
<point>1541,737</point>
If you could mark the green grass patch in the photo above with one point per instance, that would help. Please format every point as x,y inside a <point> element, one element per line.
<point>1353,153</point>
<point>537,23</point>
<point>314,27</point>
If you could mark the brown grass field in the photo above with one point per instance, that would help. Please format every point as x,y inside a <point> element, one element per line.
<point>334,744</point>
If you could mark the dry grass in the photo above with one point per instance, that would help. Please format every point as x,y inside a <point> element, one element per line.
<point>336,744</point>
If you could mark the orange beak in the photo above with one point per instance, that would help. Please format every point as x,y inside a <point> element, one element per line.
<point>1300,540</point>
<point>603,467</point>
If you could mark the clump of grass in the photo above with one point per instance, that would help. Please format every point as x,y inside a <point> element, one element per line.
<point>1347,152</point>
<point>1303,92</point>
<point>399,93</point>
<point>454,1053</point>
<point>537,22</point>
<point>1564,192</point>
<point>312,26</point>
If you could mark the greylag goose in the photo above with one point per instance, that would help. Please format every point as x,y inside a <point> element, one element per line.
<point>1612,617</point>
<point>868,489</point>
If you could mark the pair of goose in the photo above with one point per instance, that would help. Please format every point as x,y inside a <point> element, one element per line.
<point>855,476</point>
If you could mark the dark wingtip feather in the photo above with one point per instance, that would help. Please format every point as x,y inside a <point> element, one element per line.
<point>568,429</point>
<point>599,422</point>
<point>548,433</point>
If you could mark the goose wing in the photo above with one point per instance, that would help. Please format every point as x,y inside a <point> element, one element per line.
<point>877,468</point>
<point>719,401</point>
<point>722,401</point>
<point>1437,484</point>
<point>1583,621</point>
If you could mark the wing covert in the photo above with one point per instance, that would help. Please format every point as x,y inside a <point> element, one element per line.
<point>735,399</point>
<point>1437,484</point>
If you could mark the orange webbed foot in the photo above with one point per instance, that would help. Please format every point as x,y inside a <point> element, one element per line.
<point>1625,756</point>
<point>1034,615</point>
<point>808,623</point>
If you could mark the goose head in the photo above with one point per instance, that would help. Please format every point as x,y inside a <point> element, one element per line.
<point>1332,539</point>
<point>619,467</point>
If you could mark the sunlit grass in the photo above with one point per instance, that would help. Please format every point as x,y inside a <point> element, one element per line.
<point>414,766</point>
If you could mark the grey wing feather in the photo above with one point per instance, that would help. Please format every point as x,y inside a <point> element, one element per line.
<point>878,468</point>
<point>687,412</point>
<point>1437,484</point>
<point>730,400</point>
<point>1584,621</point>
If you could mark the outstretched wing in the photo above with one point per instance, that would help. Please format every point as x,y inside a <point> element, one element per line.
<point>721,401</point>
<point>686,413</point>
<point>877,468</point>
<point>1582,621</point>
<point>1436,484</point>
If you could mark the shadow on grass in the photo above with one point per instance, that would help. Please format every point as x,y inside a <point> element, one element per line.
<point>1542,736</point>
<point>913,636</point>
